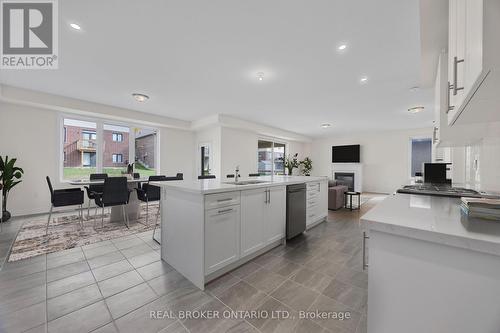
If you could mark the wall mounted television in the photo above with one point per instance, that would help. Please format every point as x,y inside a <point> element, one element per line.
<point>345,154</point>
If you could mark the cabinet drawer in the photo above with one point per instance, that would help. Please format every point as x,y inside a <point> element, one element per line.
<point>311,187</point>
<point>222,200</point>
<point>313,201</point>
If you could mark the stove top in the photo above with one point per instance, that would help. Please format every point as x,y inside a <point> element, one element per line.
<point>439,190</point>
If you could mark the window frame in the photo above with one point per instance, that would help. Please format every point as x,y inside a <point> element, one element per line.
<point>117,135</point>
<point>100,122</point>
<point>410,153</point>
<point>115,159</point>
<point>273,141</point>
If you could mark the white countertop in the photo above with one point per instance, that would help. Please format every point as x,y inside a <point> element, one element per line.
<point>208,186</point>
<point>433,219</point>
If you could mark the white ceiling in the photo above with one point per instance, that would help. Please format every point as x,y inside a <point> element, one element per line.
<point>198,58</point>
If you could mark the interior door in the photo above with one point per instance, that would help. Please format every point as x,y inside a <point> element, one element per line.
<point>253,216</point>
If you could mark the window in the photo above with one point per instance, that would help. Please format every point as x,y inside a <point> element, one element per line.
<point>117,137</point>
<point>421,152</point>
<point>271,157</point>
<point>101,147</point>
<point>79,149</point>
<point>117,158</point>
<point>116,153</point>
<point>145,151</point>
<point>205,160</point>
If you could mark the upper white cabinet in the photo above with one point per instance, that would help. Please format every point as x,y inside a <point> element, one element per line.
<point>263,218</point>
<point>473,61</point>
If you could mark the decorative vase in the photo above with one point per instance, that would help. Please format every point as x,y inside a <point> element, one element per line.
<point>5,216</point>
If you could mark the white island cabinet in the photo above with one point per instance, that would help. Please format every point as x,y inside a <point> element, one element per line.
<point>430,269</point>
<point>210,227</point>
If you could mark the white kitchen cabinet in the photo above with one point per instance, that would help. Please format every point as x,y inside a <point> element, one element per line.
<point>262,218</point>
<point>222,241</point>
<point>473,61</point>
<point>316,202</point>
<point>275,223</point>
<point>253,215</point>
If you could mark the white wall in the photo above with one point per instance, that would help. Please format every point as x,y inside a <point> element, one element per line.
<point>31,135</point>
<point>384,156</point>
<point>239,147</point>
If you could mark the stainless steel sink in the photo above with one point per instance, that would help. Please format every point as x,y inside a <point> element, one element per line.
<point>247,182</point>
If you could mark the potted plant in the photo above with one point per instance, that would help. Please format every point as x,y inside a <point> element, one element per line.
<point>291,163</point>
<point>10,176</point>
<point>306,166</point>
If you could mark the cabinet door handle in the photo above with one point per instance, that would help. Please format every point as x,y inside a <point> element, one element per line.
<point>365,237</point>
<point>222,200</point>
<point>265,201</point>
<point>455,75</point>
<point>224,211</point>
<point>450,107</point>
<point>269,192</point>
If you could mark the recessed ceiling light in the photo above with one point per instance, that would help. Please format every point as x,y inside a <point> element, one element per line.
<point>342,47</point>
<point>326,125</point>
<point>363,79</point>
<point>260,76</point>
<point>140,97</point>
<point>75,26</point>
<point>416,109</point>
<point>414,89</point>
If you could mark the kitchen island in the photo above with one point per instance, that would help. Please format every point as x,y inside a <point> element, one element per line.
<point>431,269</point>
<point>209,227</point>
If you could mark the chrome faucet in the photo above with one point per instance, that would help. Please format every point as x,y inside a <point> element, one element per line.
<point>237,173</point>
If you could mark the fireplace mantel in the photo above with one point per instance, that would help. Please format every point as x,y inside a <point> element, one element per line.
<point>356,168</point>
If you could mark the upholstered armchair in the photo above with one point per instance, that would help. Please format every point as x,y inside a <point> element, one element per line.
<point>336,194</point>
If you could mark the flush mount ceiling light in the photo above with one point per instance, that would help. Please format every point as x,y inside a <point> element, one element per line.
<point>416,109</point>
<point>75,26</point>
<point>363,79</point>
<point>326,125</point>
<point>140,97</point>
<point>260,76</point>
<point>342,47</point>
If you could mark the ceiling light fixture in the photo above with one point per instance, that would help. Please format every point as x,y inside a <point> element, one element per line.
<point>326,125</point>
<point>416,109</point>
<point>140,97</point>
<point>260,76</point>
<point>342,47</point>
<point>75,26</point>
<point>363,80</point>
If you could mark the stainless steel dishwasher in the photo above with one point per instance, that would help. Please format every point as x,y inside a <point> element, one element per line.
<point>295,210</point>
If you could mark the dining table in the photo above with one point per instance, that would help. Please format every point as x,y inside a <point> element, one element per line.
<point>133,209</point>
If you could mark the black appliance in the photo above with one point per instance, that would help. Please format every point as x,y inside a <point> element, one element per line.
<point>345,154</point>
<point>435,173</point>
<point>295,210</point>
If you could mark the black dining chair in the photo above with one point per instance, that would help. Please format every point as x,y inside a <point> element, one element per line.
<point>94,188</point>
<point>180,176</point>
<point>115,192</point>
<point>148,192</point>
<point>231,175</point>
<point>254,175</point>
<point>207,177</point>
<point>64,198</point>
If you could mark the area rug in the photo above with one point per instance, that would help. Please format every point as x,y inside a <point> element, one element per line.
<point>65,233</point>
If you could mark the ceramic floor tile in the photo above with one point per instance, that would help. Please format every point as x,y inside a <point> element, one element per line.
<point>284,322</point>
<point>155,269</point>
<point>264,280</point>
<point>295,296</point>
<point>64,304</point>
<point>347,294</point>
<point>120,283</point>
<point>130,299</point>
<point>70,283</point>
<point>106,259</point>
<point>67,270</point>
<point>167,283</point>
<point>242,296</point>
<point>111,270</point>
<point>19,321</point>
<point>21,299</point>
<point>83,320</point>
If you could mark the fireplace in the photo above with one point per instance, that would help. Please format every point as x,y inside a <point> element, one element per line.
<point>345,178</point>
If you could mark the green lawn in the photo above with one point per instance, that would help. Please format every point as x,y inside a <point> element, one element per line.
<point>82,173</point>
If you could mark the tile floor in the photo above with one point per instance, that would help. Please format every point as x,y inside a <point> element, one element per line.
<point>113,285</point>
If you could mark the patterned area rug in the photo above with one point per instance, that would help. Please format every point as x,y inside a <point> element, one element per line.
<point>65,233</point>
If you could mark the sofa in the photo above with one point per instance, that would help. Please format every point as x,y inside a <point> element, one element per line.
<point>336,194</point>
